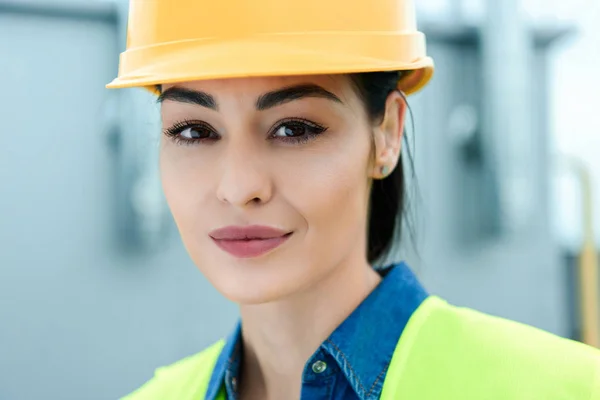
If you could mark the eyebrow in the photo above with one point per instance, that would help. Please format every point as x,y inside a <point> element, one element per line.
<point>188,96</point>
<point>285,95</point>
<point>264,102</point>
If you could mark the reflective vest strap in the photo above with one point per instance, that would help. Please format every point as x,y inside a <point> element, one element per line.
<point>596,387</point>
<point>452,353</point>
<point>187,379</point>
<point>445,352</point>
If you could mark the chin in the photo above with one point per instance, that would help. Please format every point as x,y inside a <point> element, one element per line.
<point>256,281</point>
<point>254,292</point>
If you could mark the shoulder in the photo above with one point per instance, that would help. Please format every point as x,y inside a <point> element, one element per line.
<point>185,379</point>
<point>509,337</point>
<point>514,358</point>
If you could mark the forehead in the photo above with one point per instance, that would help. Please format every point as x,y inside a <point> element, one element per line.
<point>253,87</point>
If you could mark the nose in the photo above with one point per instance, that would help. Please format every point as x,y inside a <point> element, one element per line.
<point>245,179</point>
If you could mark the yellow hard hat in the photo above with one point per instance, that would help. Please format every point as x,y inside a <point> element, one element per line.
<point>172,41</point>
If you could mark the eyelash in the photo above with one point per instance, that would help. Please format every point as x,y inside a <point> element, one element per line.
<point>313,130</point>
<point>174,131</point>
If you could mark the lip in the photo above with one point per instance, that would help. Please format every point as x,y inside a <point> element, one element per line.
<point>249,241</point>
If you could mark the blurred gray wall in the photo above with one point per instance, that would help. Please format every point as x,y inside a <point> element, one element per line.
<point>464,254</point>
<point>82,317</point>
<point>79,317</point>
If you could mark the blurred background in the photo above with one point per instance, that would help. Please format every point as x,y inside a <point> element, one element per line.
<point>96,289</point>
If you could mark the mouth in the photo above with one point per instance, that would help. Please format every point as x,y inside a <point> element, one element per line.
<point>249,241</point>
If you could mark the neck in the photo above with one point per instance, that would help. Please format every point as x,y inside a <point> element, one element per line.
<point>280,337</point>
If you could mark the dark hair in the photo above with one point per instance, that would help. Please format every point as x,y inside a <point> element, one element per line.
<point>388,198</point>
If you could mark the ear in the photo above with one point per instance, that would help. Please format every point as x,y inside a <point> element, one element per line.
<point>388,136</point>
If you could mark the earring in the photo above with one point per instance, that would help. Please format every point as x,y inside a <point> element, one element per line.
<point>385,170</point>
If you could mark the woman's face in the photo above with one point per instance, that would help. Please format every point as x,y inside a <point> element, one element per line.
<point>268,179</point>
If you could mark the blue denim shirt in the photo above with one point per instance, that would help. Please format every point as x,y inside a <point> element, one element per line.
<point>352,363</point>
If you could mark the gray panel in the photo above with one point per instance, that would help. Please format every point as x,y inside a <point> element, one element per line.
<point>93,10</point>
<point>79,320</point>
<point>518,276</point>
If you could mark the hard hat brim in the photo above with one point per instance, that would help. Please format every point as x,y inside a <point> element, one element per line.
<point>277,55</point>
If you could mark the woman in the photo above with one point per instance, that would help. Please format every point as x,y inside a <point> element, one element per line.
<point>280,161</point>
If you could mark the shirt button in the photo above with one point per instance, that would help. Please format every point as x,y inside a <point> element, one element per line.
<point>319,367</point>
<point>234,384</point>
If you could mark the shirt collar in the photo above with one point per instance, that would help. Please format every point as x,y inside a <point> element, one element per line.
<point>362,345</point>
<point>226,362</point>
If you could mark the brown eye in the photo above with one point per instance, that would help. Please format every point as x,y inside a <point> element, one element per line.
<point>195,132</point>
<point>192,132</point>
<point>297,131</point>
<point>291,130</point>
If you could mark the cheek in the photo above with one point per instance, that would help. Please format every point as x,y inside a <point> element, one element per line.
<point>330,190</point>
<point>186,184</point>
<point>173,177</point>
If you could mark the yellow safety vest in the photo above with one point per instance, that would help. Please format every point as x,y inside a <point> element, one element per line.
<point>445,352</point>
